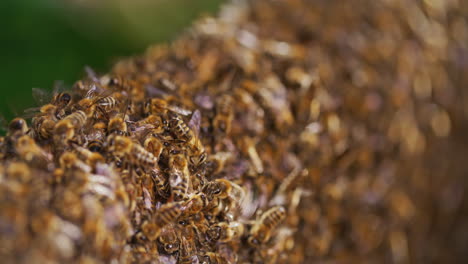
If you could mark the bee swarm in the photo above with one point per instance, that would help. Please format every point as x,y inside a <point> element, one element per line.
<point>281,132</point>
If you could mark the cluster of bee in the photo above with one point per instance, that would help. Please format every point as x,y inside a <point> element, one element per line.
<point>276,133</point>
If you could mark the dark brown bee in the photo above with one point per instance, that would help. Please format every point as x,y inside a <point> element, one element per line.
<point>224,115</point>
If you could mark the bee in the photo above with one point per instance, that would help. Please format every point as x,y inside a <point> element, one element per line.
<point>169,239</point>
<point>29,151</point>
<point>222,189</point>
<point>187,252</point>
<point>136,155</point>
<point>91,158</point>
<point>19,171</point>
<point>43,127</point>
<point>167,214</point>
<point>224,115</point>
<point>65,129</point>
<point>55,109</point>
<point>96,137</point>
<point>69,161</point>
<point>213,258</point>
<point>153,144</point>
<point>161,183</point>
<point>118,125</point>
<point>17,127</point>
<point>196,203</point>
<point>225,232</point>
<point>261,231</point>
<point>179,177</point>
<point>95,102</point>
<point>189,134</point>
<point>161,107</point>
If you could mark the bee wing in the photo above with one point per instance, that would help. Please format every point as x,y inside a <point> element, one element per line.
<point>91,74</point>
<point>179,110</point>
<point>195,122</point>
<point>41,96</point>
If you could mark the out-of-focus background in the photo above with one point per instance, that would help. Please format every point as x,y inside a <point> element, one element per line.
<point>42,41</point>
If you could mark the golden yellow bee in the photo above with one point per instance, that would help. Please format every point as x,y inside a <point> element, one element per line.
<point>263,228</point>
<point>133,152</point>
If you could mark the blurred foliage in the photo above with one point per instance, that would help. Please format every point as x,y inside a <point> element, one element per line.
<point>42,41</point>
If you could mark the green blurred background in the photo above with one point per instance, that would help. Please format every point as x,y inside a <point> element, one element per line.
<point>42,41</point>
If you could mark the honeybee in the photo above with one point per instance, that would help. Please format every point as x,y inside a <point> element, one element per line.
<point>65,129</point>
<point>69,161</point>
<point>179,177</point>
<point>196,203</point>
<point>158,106</point>
<point>91,158</point>
<point>162,184</point>
<point>55,109</point>
<point>186,252</point>
<point>96,137</point>
<point>169,239</point>
<point>213,258</point>
<point>96,101</point>
<point>189,134</point>
<point>224,115</point>
<point>17,127</point>
<point>153,144</point>
<point>167,214</point>
<point>136,155</point>
<point>19,171</point>
<point>43,127</point>
<point>261,231</point>
<point>29,151</point>
<point>225,232</point>
<point>222,188</point>
<point>118,125</point>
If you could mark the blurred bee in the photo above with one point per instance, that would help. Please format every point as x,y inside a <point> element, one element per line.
<point>212,258</point>
<point>29,151</point>
<point>19,171</point>
<point>91,158</point>
<point>43,127</point>
<point>224,115</point>
<point>167,214</point>
<point>169,239</point>
<point>215,163</point>
<point>153,144</point>
<point>133,152</point>
<point>189,134</point>
<point>69,161</point>
<point>262,229</point>
<point>187,252</point>
<point>118,125</point>
<point>225,232</point>
<point>179,177</point>
<point>17,127</point>
<point>158,106</point>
